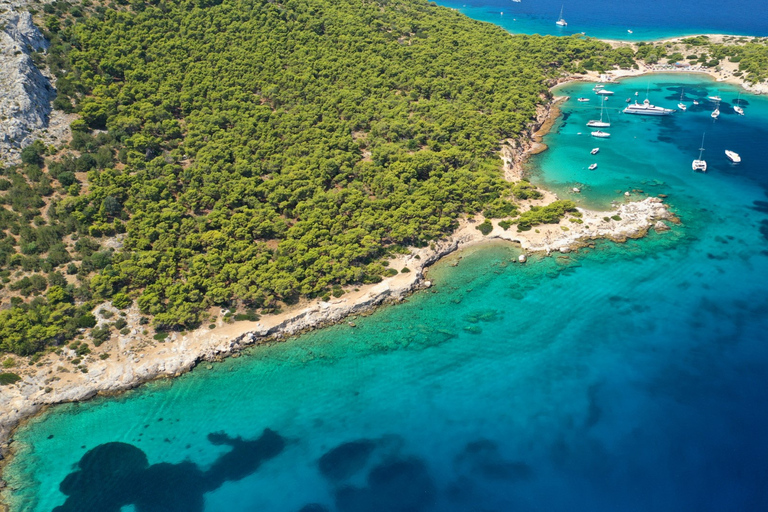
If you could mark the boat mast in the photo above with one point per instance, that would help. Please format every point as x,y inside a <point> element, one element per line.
<point>701,149</point>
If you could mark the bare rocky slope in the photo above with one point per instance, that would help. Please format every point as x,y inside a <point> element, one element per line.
<point>26,113</point>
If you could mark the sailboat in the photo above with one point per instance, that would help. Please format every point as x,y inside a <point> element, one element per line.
<point>600,123</point>
<point>699,164</point>
<point>737,108</point>
<point>681,105</point>
<point>560,21</point>
<point>716,113</point>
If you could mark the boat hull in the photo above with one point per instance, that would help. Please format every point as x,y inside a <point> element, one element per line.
<point>648,112</point>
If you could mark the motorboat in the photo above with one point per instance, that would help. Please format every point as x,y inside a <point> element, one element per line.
<point>699,164</point>
<point>695,102</point>
<point>715,98</point>
<point>593,167</point>
<point>583,100</point>
<point>629,32</point>
<point>594,151</point>
<point>646,109</point>
<point>601,134</point>
<point>733,156</point>
<point>604,92</point>
<point>599,124</point>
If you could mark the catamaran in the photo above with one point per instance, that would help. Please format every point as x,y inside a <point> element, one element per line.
<point>733,156</point>
<point>699,164</point>
<point>560,21</point>
<point>600,123</point>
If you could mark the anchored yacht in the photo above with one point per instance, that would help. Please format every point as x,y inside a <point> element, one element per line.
<point>599,124</point>
<point>733,156</point>
<point>646,109</point>
<point>561,21</point>
<point>699,164</point>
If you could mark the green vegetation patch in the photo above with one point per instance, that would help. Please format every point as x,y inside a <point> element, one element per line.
<point>282,154</point>
<point>7,378</point>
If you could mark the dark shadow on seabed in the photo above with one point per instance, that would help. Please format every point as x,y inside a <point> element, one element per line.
<point>114,475</point>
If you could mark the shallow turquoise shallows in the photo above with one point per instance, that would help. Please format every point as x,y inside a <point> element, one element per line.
<point>626,377</point>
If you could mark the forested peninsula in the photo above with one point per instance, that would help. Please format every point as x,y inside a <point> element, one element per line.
<point>247,154</point>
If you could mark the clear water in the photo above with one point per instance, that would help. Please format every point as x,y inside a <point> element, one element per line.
<point>608,19</point>
<point>626,377</point>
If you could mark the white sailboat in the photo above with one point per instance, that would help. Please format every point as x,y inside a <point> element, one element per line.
<point>600,123</point>
<point>737,108</point>
<point>699,164</point>
<point>560,21</point>
<point>681,105</point>
<point>716,113</point>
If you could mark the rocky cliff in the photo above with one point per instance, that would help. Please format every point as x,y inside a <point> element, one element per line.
<point>25,103</point>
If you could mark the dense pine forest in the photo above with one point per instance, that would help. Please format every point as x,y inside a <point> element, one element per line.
<point>247,153</point>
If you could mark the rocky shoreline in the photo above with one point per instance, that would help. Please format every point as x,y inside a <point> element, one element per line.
<point>135,365</point>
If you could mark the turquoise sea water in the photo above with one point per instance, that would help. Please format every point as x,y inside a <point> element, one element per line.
<point>607,19</point>
<point>626,377</point>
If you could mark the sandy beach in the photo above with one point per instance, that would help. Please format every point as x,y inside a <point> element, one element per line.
<point>724,72</point>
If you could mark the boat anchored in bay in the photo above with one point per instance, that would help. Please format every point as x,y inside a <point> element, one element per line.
<point>699,164</point>
<point>733,156</point>
<point>599,124</point>
<point>646,109</point>
<point>600,134</point>
<point>561,21</point>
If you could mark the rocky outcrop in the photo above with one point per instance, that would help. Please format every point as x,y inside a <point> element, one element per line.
<point>27,93</point>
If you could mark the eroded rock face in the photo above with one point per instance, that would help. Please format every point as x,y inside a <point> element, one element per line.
<point>25,102</point>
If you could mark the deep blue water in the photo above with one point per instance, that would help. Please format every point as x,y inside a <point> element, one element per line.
<point>607,19</point>
<point>625,377</point>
